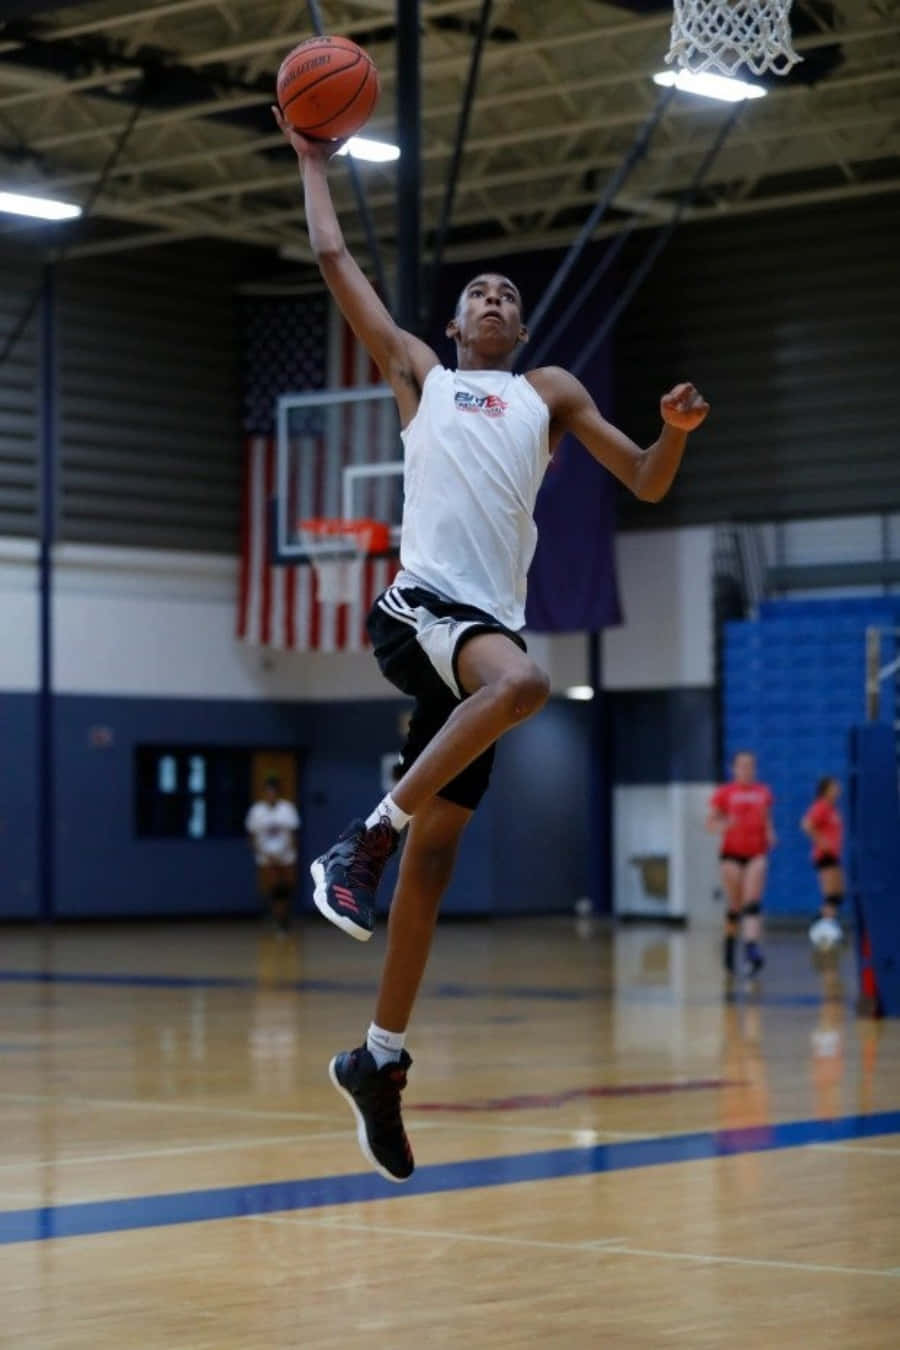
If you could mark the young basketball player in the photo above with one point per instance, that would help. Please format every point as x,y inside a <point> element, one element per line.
<point>477,442</point>
<point>825,828</point>
<point>741,813</point>
<point>272,824</point>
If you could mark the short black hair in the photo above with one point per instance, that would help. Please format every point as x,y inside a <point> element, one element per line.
<point>462,295</point>
<point>824,784</point>
<point>273,782</point>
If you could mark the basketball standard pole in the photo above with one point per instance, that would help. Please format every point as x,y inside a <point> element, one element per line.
<point>45,832</point>
<point>462,129</point>
<point>600,785</point>
<point>409,168</point>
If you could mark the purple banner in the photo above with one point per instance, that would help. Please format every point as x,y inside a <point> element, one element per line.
<point>572,583</point>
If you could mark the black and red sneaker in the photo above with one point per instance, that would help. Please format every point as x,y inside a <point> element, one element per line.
<point>374,1097</point>
<point>347,876</point>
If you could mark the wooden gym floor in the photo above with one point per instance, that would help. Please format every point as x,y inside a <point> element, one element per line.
<point>609,1152</point>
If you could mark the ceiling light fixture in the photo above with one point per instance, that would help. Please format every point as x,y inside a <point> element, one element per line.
<point>39,208</point>
<point>709,86</point>
<point>376,152</point>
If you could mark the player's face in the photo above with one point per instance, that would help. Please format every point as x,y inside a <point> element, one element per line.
<point>744,768</point>
<point>489,316</point>
<point>833,791</point>
<point>270,794</point>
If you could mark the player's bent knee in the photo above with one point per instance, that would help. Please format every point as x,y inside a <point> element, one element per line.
<point>752,907</point>
<point>525,692</point>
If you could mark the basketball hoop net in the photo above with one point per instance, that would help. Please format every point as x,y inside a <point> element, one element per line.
<point>337,550</point>
<point>720,36</point>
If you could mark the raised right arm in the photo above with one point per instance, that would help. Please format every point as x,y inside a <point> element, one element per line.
<point>403,359</point>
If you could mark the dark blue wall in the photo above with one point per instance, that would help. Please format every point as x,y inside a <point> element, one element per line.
<point>526,849</point>
<point>18,796</point>
<point>540,800</point>
<point>663,736</point>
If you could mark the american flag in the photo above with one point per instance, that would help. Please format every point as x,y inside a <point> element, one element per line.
<point>292,346</point>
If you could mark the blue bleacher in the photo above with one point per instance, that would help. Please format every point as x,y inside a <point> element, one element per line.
<point>793,687</point>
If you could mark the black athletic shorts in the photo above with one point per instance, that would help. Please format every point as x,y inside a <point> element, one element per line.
<point>417,638</point>
<point>742,859</point>
<point>827,860</point>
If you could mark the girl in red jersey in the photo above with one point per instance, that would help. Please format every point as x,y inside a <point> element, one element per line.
<point>825,828</point>
<point>741,813</point>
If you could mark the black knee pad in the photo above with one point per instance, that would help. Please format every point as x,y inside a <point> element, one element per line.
<point>281,892</point>
<point>836,900</point>
<point>754,907</point>
<point>732,916</point>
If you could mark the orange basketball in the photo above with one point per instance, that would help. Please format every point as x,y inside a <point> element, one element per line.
<point>327,88</point>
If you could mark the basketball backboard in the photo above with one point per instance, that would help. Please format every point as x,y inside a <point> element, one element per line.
<point>339,457</point>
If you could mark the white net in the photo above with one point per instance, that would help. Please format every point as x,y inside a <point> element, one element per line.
<point>721,36</point>
<point>337,561</point>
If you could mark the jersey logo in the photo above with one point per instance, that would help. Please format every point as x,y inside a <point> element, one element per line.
<point>492,405</point>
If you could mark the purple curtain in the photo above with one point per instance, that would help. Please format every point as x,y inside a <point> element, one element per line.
<point>572,583</point>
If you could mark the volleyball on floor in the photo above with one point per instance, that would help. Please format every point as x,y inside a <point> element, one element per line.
<point>825,935</point>
<point>327,88</point>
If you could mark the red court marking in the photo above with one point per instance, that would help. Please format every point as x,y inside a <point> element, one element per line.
<point>535,1100</point>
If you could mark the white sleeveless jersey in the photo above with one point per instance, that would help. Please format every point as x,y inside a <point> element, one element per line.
<point>476,452</point>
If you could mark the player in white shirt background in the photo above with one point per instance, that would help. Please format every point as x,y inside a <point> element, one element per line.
<point>272,824</point>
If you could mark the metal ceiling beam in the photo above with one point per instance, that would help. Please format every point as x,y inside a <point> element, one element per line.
<point>256,47</point>
<point>681,155</point>
<point>447,64</point>
<point>485,103</point>
<point>804,125</point>
<point>285,179</point>
<point>430,112</point>
<point>126,20</point>
<point>475,252</point>
<point>30,9</point>
<point>580,198</point>
<point>46,86</point>
<point>442,65</point>
<point>251,227</point>
<point>462,130</point>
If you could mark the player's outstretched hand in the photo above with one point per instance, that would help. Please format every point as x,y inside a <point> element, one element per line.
<point>684,407</point>
<point>304,146</point>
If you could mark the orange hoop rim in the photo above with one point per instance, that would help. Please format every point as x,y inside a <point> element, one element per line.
<point>369,536</point>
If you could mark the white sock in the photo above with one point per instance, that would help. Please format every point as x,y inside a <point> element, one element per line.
<point>384,1046</point>
<point>388,807</point>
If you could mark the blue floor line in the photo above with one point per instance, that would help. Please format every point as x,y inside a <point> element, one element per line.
<point>233,1202</point>
<point>454,990</point>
